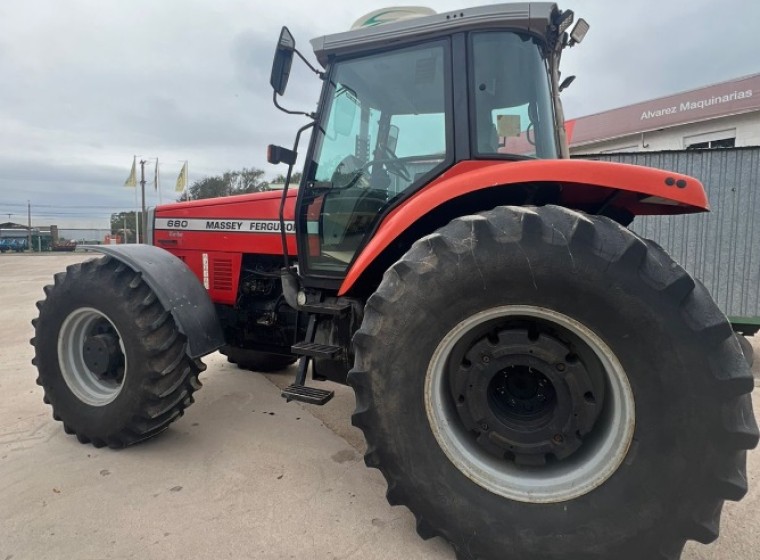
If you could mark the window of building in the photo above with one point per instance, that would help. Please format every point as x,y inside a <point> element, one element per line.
<point>725,143</point>
<point>719,139</point>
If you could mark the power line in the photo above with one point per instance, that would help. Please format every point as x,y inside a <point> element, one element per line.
<point>65,212</point>
<point>100,207</point>
<point>69,215</point>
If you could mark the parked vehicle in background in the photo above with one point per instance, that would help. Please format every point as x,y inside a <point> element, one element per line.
<point>66,246</point>
<point>14,244</point>
<point>21,244</point>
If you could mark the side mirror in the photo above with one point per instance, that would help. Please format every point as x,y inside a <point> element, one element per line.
<point>392,138</point>
<point>283,60</point>
<point>345,112</point>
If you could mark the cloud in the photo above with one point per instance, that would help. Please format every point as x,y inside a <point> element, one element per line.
<point>87,84</point>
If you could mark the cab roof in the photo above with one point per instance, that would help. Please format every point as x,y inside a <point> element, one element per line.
<point>534,17</point>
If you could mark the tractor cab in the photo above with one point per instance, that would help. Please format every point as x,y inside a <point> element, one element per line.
<point>404,101</point>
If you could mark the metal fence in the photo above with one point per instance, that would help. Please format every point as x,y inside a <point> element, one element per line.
<point>722,247</point>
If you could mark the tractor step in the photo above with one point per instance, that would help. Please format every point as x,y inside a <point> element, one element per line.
<point>314,350</point>
<point>325,308</point>
<point>306,394</point>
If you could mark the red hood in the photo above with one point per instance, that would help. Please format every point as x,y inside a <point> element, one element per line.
<point>223,200</point>
<point>247,223</point>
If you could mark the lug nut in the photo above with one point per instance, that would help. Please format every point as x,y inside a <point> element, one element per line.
<point>484,427</point>
<point>486,359</point>
<point>561,367</point>
<point>558,438</point>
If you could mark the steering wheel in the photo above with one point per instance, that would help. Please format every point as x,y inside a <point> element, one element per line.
<point>394,165</point>
<point>349,173</point>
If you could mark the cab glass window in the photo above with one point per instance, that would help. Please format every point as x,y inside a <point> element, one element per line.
<point>384,126</point>
<point>511,94</point>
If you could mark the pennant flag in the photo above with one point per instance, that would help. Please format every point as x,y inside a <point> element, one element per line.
<point>132,179</point>
<point>182,179</point>
<point>155,178</point>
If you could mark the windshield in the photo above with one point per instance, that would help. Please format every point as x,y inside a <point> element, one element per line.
<point>384,127</point>
<point>510,88</point>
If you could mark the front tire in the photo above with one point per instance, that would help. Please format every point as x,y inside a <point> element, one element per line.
<point>253,360</point>
<point>570,392</point>
<point>111,360</point>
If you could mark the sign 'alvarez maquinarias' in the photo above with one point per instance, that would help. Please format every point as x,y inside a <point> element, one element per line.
<point>728,98</point>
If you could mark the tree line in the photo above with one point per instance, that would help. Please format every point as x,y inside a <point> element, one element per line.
<point>243,181</point>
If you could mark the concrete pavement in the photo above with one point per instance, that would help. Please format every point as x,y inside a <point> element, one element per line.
<point>241,475</point>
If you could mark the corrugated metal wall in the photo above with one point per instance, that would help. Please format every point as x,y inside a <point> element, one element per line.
<point>722,247</point>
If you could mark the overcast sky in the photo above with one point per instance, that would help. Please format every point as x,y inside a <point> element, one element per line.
<point>87,84</point>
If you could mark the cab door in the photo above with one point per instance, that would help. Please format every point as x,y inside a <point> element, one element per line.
<point>385,129</point>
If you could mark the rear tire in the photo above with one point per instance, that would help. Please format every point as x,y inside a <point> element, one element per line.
<point>111,360</point>
<point>253,360</point>
<point>547,280</point>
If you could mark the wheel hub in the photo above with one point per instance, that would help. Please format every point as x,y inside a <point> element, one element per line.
<point>522,394</point>
<point>102,354</point>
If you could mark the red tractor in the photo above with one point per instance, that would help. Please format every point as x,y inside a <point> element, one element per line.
<point>534,380</point>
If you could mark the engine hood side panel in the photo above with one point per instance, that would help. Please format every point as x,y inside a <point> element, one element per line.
<point>236,224</point>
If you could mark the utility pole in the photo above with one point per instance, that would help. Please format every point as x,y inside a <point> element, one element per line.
<point>143,217</point>
<point>29,232</point>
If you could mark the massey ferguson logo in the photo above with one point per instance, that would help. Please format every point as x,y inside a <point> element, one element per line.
<point>215,224</point>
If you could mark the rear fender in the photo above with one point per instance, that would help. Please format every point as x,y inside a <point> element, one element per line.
<point>178,289</point>
<point>580,184</point>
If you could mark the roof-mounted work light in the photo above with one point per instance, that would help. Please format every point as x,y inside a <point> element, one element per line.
<point>579,32</point>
